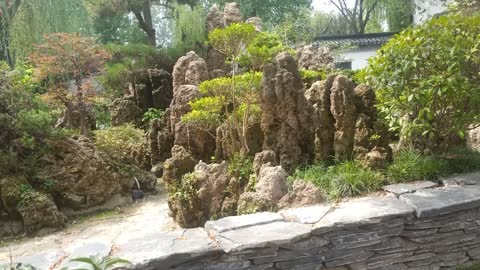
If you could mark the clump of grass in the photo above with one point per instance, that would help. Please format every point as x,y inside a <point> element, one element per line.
<point>461,161</point>
<point>349,179</point>
<point>410,165</point>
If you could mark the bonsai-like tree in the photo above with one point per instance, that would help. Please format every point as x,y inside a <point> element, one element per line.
<point>64,57</point>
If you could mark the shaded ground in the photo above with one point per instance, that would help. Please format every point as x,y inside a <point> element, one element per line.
<point>149,215</point>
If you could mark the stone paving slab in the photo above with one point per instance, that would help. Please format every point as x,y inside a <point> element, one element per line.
<point>306,215</point>
<point>435,202</point>
<point>160,250</point>
<point>462,179</point>
<point>85,249</point>
<point>364,210</point>
<point>276,234</point>
<point>42,260</point>
<point>238,222</point>
<point>399,189</point>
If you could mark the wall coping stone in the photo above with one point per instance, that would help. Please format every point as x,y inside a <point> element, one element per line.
<point>363,210</point>
<point>435,202</point>
<point>306,215</point>
<point>402,188</point>
<point>239,222</point>
<point>272,234</point>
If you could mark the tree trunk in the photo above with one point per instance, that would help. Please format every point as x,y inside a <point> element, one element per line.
<point>147,14</point>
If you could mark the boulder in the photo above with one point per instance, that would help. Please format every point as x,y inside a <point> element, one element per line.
<point>302,193</point>
<point>11,189</point>
<point>162,90</point>
<point>215,19</point>
<point>344,111</point>
<point>232,13</point>
<point>159,139</point>
<point>71,117</point>
<point>257,22</point>
<point>124,111</point>
<point>181,162</point>
<point>272,183</point>
<point>286,119</point>
<point>80,176</point>
<point>263,158</point>
<point>39,211</point>
<point>189,69</point>
<point>203,195</point>
<point>314,58</point>
<point>270,188</point>
<point>319,96</point>
<point>473,139</point>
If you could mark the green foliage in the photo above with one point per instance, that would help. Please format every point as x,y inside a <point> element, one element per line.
<point>461,160</point>
<point>206,112</point>
<point>99,263</point>
<point>295,29</point>
<point>241,168</point>
<point>35,18</point>
<point>120,143</point>
<point>187,190</point>
<point>347,179</point>
<point>232,39</point>
<point>311,76</point>
<point>118,29</point>
<point>34,122</point>
<point>427,80</point>
<point>324,24</point>
<point>261,50</point>
<point>189,27</point>
<point>18,266</point>
<point>152,114</point>
<point>410,165</point>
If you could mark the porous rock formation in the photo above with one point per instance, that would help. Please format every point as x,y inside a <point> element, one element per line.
<point>301,194</point>
<point>348,123</point>
<point>151,88</point>
<point>189,71</point>
<point>473,139</point>
<point>38,211</point>
<point>81,177</point>
<point>311,57</point>
<point>286,121</point>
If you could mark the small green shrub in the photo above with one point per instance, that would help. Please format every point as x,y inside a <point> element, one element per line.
<point>100,263</point>
<point>461,161</point>
<point>311,76</point>
<point>410,165</point>
<point>35,122</point>
<point>242,168</point>
<point>347,179</point>
<point>151,115</point>
<point>120,143</point>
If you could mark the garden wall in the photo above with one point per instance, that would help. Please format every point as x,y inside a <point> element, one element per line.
<point>429,229</point>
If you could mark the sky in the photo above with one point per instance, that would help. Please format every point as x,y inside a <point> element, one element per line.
<point>323,5</point>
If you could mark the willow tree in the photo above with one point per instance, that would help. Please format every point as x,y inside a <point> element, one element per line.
<point>141,9</point>
<point>37,18</point>
<point>8,10</point>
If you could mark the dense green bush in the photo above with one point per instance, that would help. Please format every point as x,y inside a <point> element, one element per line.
<point>120,143</point>
<point>427,80</point>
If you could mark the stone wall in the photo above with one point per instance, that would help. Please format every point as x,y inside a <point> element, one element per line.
<point>436,228</point>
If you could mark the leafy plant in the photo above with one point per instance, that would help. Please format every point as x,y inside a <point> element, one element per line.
<point>121,143</point>
<point>263,48</point>
<point>100,263</point>
<point>427,80</point>
<point>151,115</point>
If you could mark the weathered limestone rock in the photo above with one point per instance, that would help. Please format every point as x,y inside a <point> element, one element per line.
<point>319,96</point>
<point>10,193</point>
<point>263,158</point>
<point>159,140</point>
<point>39,211</point>
<point>313,58</point>
<point>371,135</point>
<point>302,194</point>
<point>125,111</point>
<point>215,19</point>
<point>343,109</point>
<point>223,151</point>
<point>83,177</point>
<point>473,139</point>
<point>72,117</point>
<point>189,70</point>
<point>257,22</point>
<point>286,113</point>
<point>269,189</point>
<point>232,13</point>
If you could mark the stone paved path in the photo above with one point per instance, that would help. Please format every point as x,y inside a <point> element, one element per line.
<point>95,235</point>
